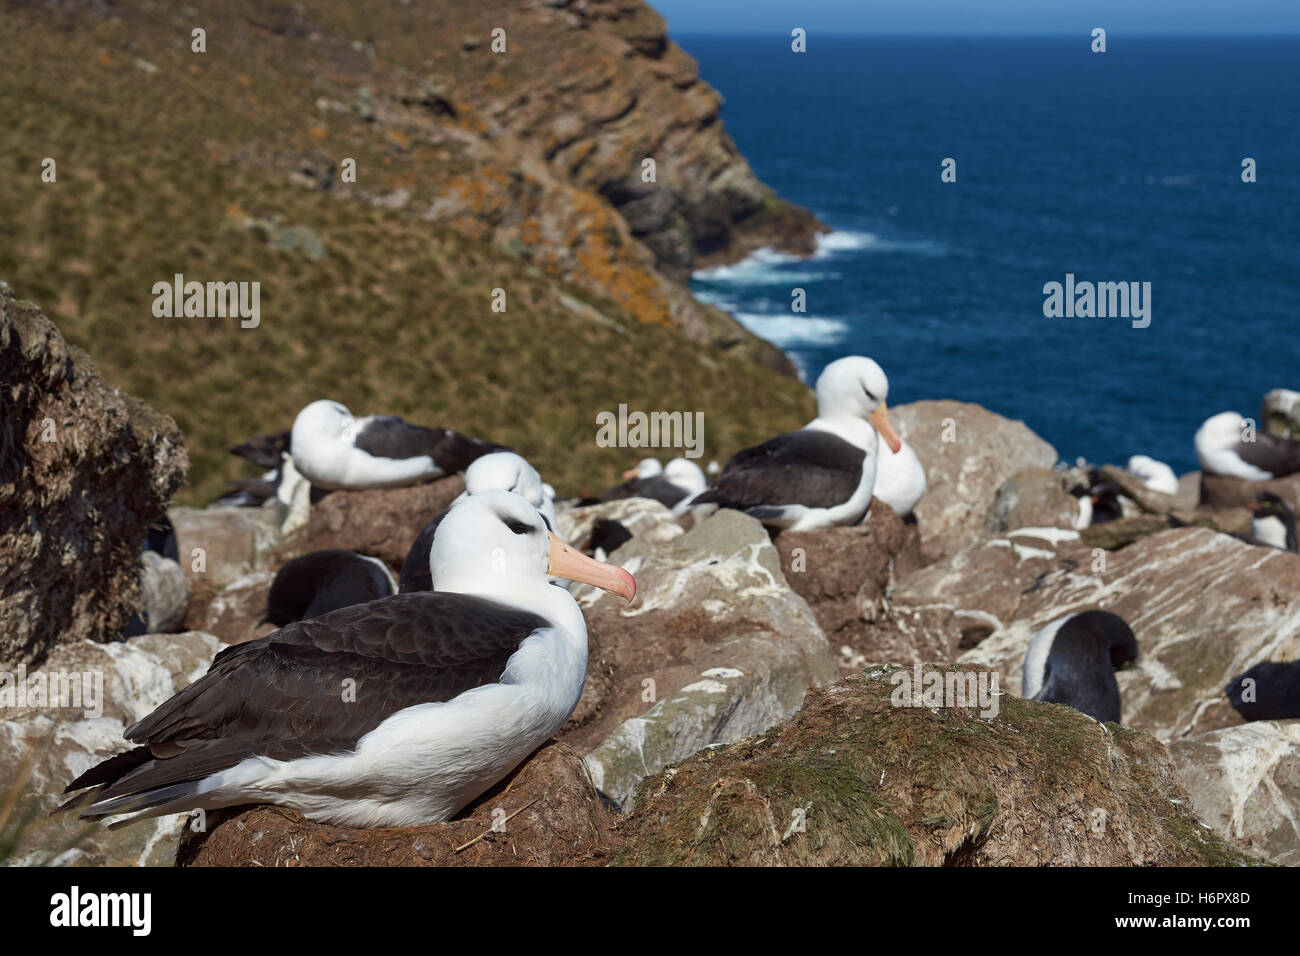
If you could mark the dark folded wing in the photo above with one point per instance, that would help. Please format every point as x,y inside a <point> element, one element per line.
<point>806,467</point>
<point>1280,456</point>
<point>263,450</point>
<point>659,488</point>
<point>415,575</point>
<point>318,686</point>
<point>387,437</point>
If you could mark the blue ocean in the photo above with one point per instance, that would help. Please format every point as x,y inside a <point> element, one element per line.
<point>1123,166</point>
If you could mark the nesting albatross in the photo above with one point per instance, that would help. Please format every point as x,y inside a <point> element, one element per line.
<point>333,449</point>
<point>452,690</point>
<point>1225,446</point>
<point>823,474</point>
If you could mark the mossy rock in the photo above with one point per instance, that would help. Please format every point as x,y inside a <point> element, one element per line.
<point>853,779</point>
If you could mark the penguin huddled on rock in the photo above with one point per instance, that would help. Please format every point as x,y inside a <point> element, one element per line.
<point>1073,660</point>
<point>1268,691</point>
<point>1272,523</point>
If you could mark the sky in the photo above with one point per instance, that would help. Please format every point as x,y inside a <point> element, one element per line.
<point>981,16</point>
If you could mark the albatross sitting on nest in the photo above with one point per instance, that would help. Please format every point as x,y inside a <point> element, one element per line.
<point>333,449</point>
<point>823,474</point>
<point>393,713</point>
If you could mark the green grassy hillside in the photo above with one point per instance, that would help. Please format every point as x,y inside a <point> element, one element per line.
<point>178,162</point>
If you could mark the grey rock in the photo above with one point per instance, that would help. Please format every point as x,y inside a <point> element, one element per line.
<point>1033,498</point>
<point>715,647</point>
<point>968,453</point>
<point>234,542</point>
<point>46,743</point>
<point>1245,783</point>
<point>1203,605</point>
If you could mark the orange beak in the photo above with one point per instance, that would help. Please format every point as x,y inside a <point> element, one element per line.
<point>630,473</point>
<point>880,421</point>
<point>573,565</point>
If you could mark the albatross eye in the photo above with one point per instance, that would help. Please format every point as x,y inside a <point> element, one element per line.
<point>518,527</point>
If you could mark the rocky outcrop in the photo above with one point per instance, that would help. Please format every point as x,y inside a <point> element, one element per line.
<point>544,814</point>
<point>1223,491</point>
<point>233,614</point>
<point>1245,782</point>
<point>968,454</point>
<point>953,605</point>
<point>643,517</point>
<point>84,469</point>
<point>1033,498</point>
<point>846,575</point>
<point>1203,605</point>
<point>853,779</point>
<point>164,592</point>
<point>595,89</point>
<point>382,523</point>
<point>219,545</point>
<point>716,646</point>
<point>71,715</point>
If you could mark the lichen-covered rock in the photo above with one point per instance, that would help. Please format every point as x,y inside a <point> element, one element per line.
<point>46,742</point>
<point>546,813</point>
<point>852,779</point>
<point>1203,605</point>
<point>84,469</point>
<point>716,646</point>
<point>1245,782</point>
<point>846,574</point>
<point>968,453</point>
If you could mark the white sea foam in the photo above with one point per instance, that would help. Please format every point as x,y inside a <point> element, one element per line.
<point>764,267</point>
<point>790,330</point>
<point>831,243</point>
<point>770,267</point>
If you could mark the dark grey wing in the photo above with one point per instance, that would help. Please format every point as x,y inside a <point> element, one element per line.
<point>1280,456</point>
<point>385,436</point>
<point>416,575</point>
<point>659,488</point>
<point>807,467</point>
<point>263,450</point>
<point>284,695</point>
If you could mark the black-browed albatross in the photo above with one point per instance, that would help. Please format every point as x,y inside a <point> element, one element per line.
<point>821,475</point>
<point>669,485</point>
<point>1224,446</point>
<point>332,449</point>
<point>393,713</point>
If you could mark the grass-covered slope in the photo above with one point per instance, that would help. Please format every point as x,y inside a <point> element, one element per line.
<point>174,162</point>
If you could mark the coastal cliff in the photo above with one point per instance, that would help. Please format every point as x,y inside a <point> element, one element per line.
<point>439,230</point>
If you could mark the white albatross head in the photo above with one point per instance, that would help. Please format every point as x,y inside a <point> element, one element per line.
<point>856,387</point>
<point>504,471</point>
<point>496,545</point>
<point>685,474</point>
<point>323,419</point>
